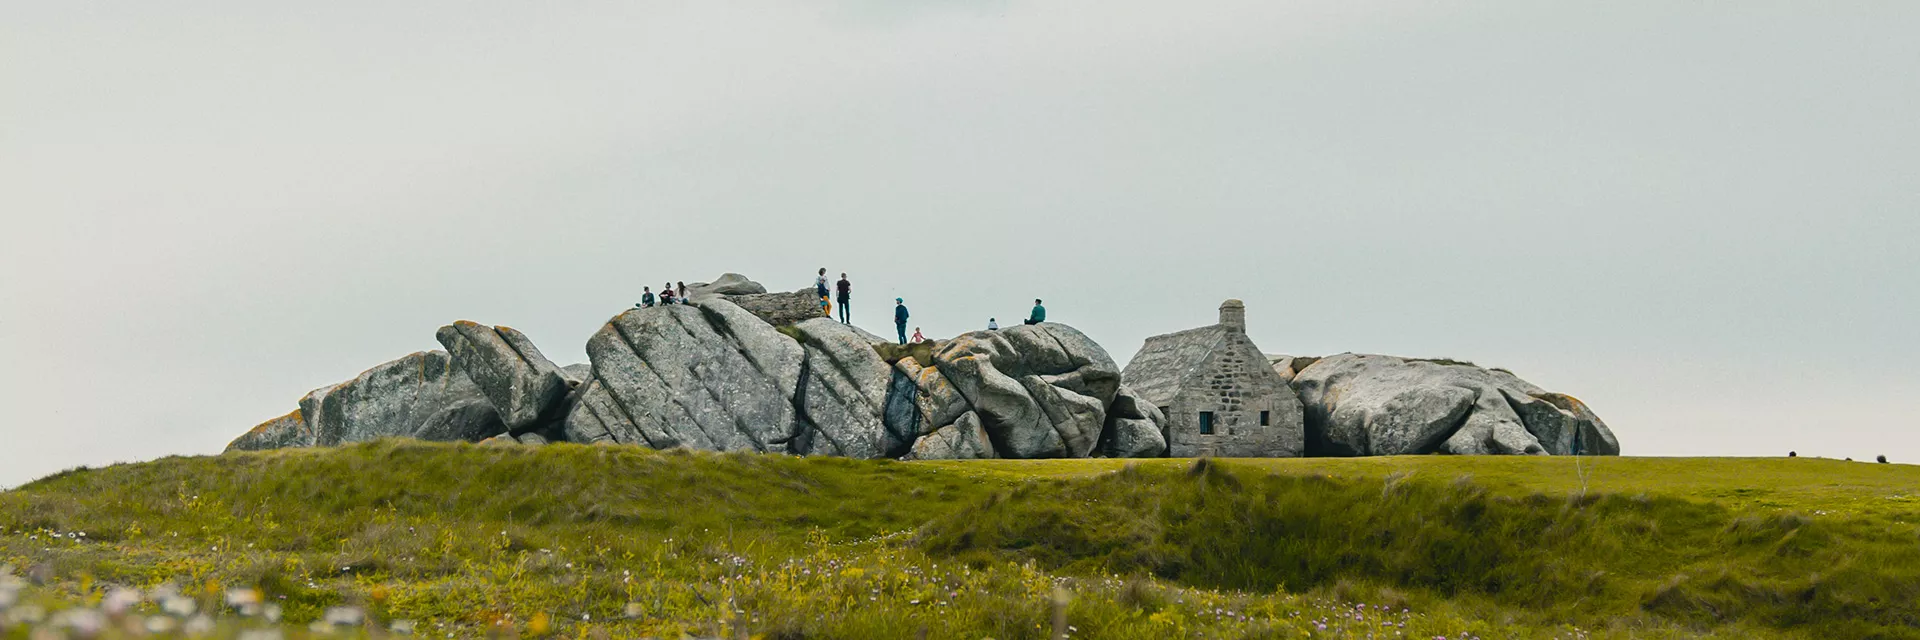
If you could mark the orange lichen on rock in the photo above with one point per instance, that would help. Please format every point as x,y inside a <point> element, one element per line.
<point>295,417</point>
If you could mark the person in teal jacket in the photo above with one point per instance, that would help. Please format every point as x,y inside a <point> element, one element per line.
<point>1039,313</point>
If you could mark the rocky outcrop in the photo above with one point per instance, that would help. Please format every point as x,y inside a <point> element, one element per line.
<point>1359,405</point>
<point>731,284</point>
<point>781,309</point>
<point>842,397</point>
<point>465,421</point>
<point>421,395</point>
<point>523,386</point>
<point>706,376</point>
<point>1040,391</point>
<point>285,431</point>
<point>965,439</point>
<point>1592,435</point>
<point>1135,428</point>
<point>397,399</point>
<point>738,369</point>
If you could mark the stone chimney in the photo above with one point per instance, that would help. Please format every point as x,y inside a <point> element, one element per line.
<point>1233,314</point>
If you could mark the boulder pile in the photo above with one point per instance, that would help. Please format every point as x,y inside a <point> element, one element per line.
<point>738,369</point>
<point>1372,405</point>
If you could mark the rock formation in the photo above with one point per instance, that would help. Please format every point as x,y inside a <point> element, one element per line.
<point>780,309</point>
<point>739,369</point>
<point>421,395</point>
<point>1368,405</point>
<point>706,376</point>
<point>1135,428</point>
<point>711,375</point>
<point>732,284</point>
<point>522,385</point>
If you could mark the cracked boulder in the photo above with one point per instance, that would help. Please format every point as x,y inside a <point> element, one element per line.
<point>1135,428</point>
<point>843,394</point>
<point>419,396</point>
<point>522,385</point>
<point>1371,405</point>
<point>1040,391</point>
<point>920,401</point>
<point>965,439</point>
<point>398,398</point>
<point>708,375</point>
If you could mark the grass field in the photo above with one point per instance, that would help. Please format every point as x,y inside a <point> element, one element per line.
<point>575,541</point>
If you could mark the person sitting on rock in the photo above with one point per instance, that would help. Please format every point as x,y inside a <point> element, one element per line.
<point>666,295</point>
<point>993,324</point>
<point>917,338</point>
<point>900,318</point>
<point>646,297</point>
<point>683,292</point>
<point>846,295</point>
<point>1039,313</point>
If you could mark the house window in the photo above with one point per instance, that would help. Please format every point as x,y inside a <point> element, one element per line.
<point>1206,423</point>
<point>1266,418</point>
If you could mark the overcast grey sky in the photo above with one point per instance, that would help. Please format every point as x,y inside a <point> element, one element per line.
<point>1698,217</point>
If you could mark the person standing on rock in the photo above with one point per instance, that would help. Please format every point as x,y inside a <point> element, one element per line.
<point>820,283</point>
<point>646,297</point>
<point>900,318</point>
<point>846,295</point>
<point>1039,313</point>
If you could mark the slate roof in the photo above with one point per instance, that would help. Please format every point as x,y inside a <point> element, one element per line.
<point>1162,367</point>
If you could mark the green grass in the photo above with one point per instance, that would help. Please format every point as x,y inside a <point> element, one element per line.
<point>462,538</point>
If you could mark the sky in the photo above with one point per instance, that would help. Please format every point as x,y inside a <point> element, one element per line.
<point>1700,218</point>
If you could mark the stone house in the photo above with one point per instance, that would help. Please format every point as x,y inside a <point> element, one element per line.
<point>1219,394</point>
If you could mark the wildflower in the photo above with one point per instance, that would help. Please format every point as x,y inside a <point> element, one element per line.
<point>158,625</point>
<point>345,616</point>
<point>120,600</point>
<point>242,598</point>
<point>539,625</point>
<point>179,606</point>
<point>200,625</point>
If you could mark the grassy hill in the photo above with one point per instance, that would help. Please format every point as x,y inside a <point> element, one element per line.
<point>611,541</point>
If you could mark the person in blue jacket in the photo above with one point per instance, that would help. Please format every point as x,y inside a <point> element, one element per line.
<point>900,318</point>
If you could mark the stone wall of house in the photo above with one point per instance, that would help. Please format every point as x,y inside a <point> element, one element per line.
<point>1236,384</point>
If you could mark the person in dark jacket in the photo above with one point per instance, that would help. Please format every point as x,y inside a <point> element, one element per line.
<point>1039,313</point>
<point>846,295</point>
<point>666,294</point>
<point>900,318</point>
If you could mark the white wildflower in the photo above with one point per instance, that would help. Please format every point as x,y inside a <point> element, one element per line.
<point>345,616</point>
<point>200,626</point>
